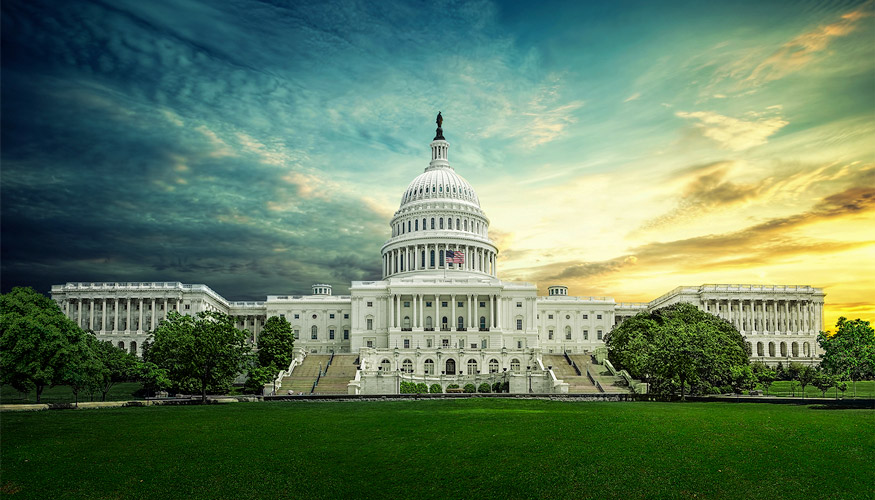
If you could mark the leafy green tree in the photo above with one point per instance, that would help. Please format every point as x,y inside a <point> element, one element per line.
<point>421,388</point>
<point>743,378</point>
<point>259,376</point>
<point>153,377</point>
<point>276,343</point>
<point>806,376</point>
<point>483,388</point>
<point>766,378</point>
<point>435,389</point>
<point>118,365</point>
<point>780,373</point>
<point>36,341</point>
<point>83,370</point>
<point>469,388</point>
<point>823,381</point>
<point>850,352</point>
<point>677,346</point>
<point>204,353</point>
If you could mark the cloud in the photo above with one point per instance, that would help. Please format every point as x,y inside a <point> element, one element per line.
<point>802,50</point>
<point>733,133</point>
<point>632,97</point>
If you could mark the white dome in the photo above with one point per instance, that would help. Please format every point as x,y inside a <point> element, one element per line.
<point>439,183</point>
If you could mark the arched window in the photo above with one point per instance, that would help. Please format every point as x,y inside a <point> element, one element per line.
<point>407,366</point>
<point>567,333</point>
<point>121,345</point>
<point>385,365</point>
<point>402,262</point>
<point>422,261</point>
<point>429,367</point>
<point>432,252</point>
<point>449,223</point>
<point>493,365</point>
<point>794,348</point>
<point>416,225</point>
<point>442,222</point>
<point>483,323</point>
<point>772,349</point>
<point>314,332</point>
<point>423,224</point>
<point>806,350</point>
<point>133,348</point>
<point>444,324</point>
<point>406,322</point>
<point>441,258</point>
<point>428,322</point>
<point>451,367</point>
<point>408,226</point>
<point>760,350</point>
<point>472,367</point>
<point>783,349</point>
<point>432,222</point>
<point>514,365</point>
<point>461,323</point>
<point>466,224</point>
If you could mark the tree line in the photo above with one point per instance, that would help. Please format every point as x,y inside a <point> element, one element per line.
<point>40,347</point>
<point>682,349</point>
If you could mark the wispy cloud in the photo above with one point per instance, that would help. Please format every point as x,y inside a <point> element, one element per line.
<point>735,133</point>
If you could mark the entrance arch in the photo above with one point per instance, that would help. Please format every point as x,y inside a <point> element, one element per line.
<point>451,367</point>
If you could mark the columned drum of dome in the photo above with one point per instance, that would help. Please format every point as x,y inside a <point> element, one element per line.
<point>439,227</point>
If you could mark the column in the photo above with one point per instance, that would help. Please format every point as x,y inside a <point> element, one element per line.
<point>103,315</point>
<point>500,310</point>
<point>152,322</point>
<point>470,314</point>
<point>128,311</point>
<point>437,311</point>
<point>453,323</point>
<point>422,310</point>
<point>391,311</point>
<point>398,312</point>
<point>141,302</point>
<point>413,319</point>
<point>79,312</point>
<point>91,314</point>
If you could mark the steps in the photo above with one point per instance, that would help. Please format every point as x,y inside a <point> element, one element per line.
<point>577,384</point>
<point>304,375</point>
<point>608,382</point>
<point>341,371</point>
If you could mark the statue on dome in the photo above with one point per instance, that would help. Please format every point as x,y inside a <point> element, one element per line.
<point>440,120</point>
<point>439,133</point>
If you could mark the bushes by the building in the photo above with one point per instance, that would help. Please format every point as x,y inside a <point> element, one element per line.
<point>484,387</point>
<point>421,388</point>
<point>453,386</point>
<point>407,387</point>
<point>435,389</point>
<point>469,389</point>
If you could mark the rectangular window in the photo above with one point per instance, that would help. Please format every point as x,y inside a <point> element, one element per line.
<point>586,335</point>
<point>460,304</point>
<point>370,304</point>
<point>567,335</point>
<point>519,344</point>
<point>519,304</point>
<point>407,343</point>
<point>297,316</point>
<point>483,343</point>
<point>549,316</point>
<point>473,345</point>
<point>599,316</point>
<point>346,335</point>
<point>443,304</point>
<point>283,316</point>
<point>370,343</point>
<point>297,334</point>
<point>427,303</point>
<point>519,324</point>
<point>428,343</point>
<point>370,324</point>
<point>550,334</point>
<point>331,316</point>
<point>406,303</point>
<point>483,304</point>
<point>586,316</point>
<point>599,334</point>
<point>330,334</point>
<point>445,343</point>
<point>188,306</point>
<point>346,316</point>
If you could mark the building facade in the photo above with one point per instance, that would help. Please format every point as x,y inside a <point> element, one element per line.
<point>440,308</point>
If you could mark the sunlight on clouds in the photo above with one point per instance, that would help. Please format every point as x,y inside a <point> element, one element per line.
<point>734,133</point>
<point>220,147</point>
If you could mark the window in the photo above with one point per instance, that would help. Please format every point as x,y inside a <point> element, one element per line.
<point>428,343</point>
<point>370,304</point>
<point>550,334</point>
<point>188,306</point>
<point>442,222</point>
<point>460,304</point>
<point>445,343</point>
<point>297,333</point>
<point>483,343</point>
<point>406,303</point>
<point>408,226</point>
<point>346,316</point>
<point>314,316</point>
<point>514,365</point>
<point>313,332</point>
<point>416,225</point>
<point>519,304</point>
<point>483,323</point>
<point>370,324</point>
<point>370,343</point>
<point>282,316</point>
<point>449,223</point>
<point>427,303</point>
<point>461,323</point>
<point>519,324</point>
<point>429,366</point>
<point>330,334</point>
<point>549,316</point>
<point>432,226</point>
<point>567,316</point>
<point>432,254</point>
<point>385,365</point>
<point>586,335</point>
<point>599,333</point>
<point>586,316</point>
<point>297,316</point>
<point>483,304</point>
<point>407,343</point>
<point>443,304</point>
<point>493,365</point>
<point>345,334</point>
<point>472,367</point>
<point>331,316</point>
<point>519,344</point>
<point>567,333</point>
<point>598,316</point>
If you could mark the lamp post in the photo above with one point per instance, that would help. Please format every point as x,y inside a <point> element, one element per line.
<point>529,376</point>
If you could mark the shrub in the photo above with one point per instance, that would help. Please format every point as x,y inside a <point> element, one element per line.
<point>453,386</point>
<point>484,387</point>
<point>422,388</point>
<point>496,387</point>
<point>469,389</point>
<point>407,387</point>
<point>505,386</point>
<point>435,389</point>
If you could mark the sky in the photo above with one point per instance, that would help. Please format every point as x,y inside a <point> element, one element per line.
<point>619,148</point>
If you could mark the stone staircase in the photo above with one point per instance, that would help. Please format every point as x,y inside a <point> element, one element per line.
<point>577,384</point>
<point>608,382</point>
<point>341,371</point>
<point>303,375</point>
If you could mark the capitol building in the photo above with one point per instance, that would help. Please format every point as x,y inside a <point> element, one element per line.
<point>441,314</point>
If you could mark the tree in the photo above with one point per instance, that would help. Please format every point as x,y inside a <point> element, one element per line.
<point>435,389</point>
<point>793,370</point>
<point>36,341</point>
<point>484,387</point>
<point>205,352</point>
<point>742,378</point>
<point>766,377</point>
<point>83,370</point>
<point>823,381</point>
<point>259,376</point>
<point>850,352</point>
<point>276,343</point>
<point>118,365</point>
<point>806,376</point>
<point>677,346</point>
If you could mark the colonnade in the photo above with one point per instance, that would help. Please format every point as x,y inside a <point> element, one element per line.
<point>768,316</point>
<point>431,256</point>
<point>420,312</point>
<point>119,314</point>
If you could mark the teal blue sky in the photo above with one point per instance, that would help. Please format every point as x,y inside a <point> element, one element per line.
<point>621,148</point>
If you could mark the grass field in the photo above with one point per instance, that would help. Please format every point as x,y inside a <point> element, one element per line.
<point>123,391</point>
<point>865,389</point>
<point>473,448</point>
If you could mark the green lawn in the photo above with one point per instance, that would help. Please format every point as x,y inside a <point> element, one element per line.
<point>865,389</point>
<point>472,448</point>
<point>123,391</point>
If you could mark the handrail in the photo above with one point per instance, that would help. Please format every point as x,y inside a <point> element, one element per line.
<point>567,358</point>
<point>329,362</point>
<point>318,376</point>
<point>576,369</point>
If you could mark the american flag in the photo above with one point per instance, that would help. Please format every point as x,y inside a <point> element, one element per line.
<point>454,257</point>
